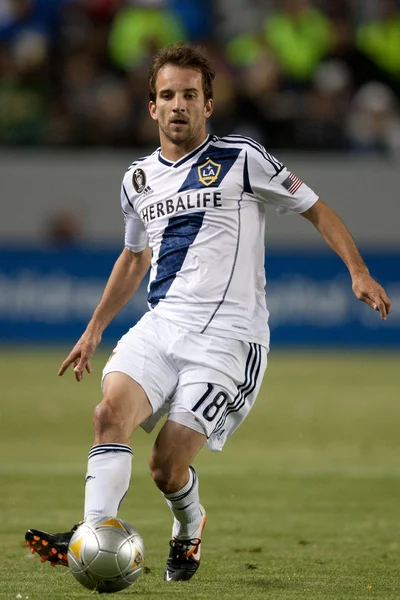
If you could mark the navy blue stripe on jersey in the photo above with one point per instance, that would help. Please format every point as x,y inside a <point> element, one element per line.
<point>182,160</point>
<point>246,179</point>
<point>224,158</point>
<point>232,270</point>
<point>179,234</point>
<point>239,139</point>
<point>275,174</point>
<point>163,160</point>
<point>252,370</point>
<point>126,196</point>
<point>262,149</point>
<point>135,162</point>
<point>235,139</point>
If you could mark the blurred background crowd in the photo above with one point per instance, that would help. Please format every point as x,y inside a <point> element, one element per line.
<point>301,74</point>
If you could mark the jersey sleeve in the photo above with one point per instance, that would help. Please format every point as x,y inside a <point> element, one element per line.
<point>272,183</point>
<point>136,238</point>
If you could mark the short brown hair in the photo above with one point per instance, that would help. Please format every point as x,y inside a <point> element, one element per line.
<point>186,57</point>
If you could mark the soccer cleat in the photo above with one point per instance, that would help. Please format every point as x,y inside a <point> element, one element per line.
<point>50,546</point>
<point>184,555</point>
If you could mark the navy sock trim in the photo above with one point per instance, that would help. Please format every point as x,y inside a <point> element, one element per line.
<point>182,496</point>
<point>105,448</point>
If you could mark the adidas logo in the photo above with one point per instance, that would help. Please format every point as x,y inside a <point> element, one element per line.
<point>147,190</point>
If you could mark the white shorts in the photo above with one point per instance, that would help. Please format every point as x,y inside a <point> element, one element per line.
<point>205,382</point>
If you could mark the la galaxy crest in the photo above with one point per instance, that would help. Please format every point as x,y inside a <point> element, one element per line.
<point>139,180</point>
<point>208,172</point>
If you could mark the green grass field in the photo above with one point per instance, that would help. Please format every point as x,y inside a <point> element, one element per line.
<point>302,503</point>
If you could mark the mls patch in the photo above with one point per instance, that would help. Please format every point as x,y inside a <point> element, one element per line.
<point>209,172</point>
<point>139,180</point>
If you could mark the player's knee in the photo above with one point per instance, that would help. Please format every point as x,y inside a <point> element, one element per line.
<point>166,478</point>
<point>107,417</point>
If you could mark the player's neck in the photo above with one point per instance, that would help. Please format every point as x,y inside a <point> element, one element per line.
<point>172,151</point>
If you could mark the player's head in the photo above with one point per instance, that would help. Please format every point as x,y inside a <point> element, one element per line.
<point>181,92</point>
<point>185,57</point>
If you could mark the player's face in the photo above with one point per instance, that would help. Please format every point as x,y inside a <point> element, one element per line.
<point>180,107</point>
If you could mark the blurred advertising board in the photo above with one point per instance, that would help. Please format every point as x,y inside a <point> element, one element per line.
<point>48,296</point>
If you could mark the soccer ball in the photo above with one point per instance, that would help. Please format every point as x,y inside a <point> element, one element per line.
<point>106,554</point>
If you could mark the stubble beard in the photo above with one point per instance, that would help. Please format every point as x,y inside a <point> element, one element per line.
<point>181,138</point>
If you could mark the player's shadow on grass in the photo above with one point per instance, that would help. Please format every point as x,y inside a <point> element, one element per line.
<point>270,584</point>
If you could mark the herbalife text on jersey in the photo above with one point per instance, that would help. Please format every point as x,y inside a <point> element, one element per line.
<point>184,202</point>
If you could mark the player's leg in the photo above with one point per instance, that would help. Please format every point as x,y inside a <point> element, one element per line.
<point>123,408</point>
<point>173,452</point>
<point>170,464</point>
<point>218,383</point>
<point>136,381</point>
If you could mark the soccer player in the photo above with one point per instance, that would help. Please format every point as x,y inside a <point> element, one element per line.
<point>195,212</point>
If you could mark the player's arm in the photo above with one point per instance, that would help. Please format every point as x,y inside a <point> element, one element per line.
<point>337,236</point>
<point>125,278</point>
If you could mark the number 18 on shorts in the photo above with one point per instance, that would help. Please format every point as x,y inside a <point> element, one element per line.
<point>206,382</point>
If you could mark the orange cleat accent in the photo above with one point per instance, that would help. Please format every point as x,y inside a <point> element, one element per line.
<point>184,557</point>
<point>50,547</point>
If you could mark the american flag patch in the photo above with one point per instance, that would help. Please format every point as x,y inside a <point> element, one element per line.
<point>292,183</point>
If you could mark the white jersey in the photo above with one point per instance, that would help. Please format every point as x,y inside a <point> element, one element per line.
<point>203,216</point>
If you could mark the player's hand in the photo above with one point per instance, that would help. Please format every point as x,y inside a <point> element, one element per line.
<point>369,291</point>
<point>80,356</point>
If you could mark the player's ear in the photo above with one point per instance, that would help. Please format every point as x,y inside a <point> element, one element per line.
<point>208,108</point>
<point>153,110</point>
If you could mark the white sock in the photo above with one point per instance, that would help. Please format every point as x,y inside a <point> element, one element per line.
<point>185,507</point>
<point>107,479</point>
